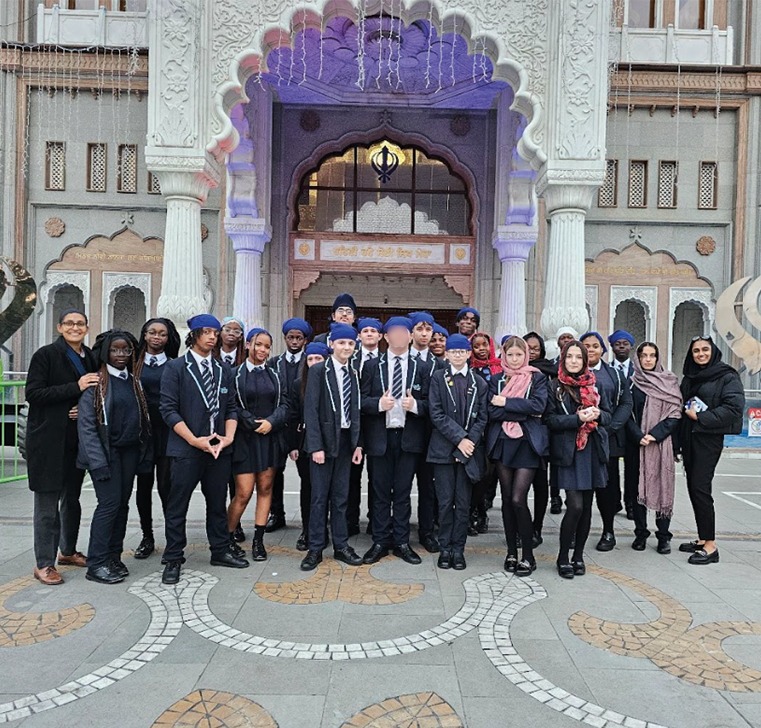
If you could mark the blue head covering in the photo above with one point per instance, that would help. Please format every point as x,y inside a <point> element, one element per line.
<point>420,317</point>
<point>233,320</point>
<point>439,329</point>
<point>505,338</point>
<point>299,324</point>
<point>621,334</point>
<point>469,309</point>
<point>370,323</point>
<point>458,341</point>
<point>342,331</point>
<point>204,321</point>
<point>317,347</point>
<point>395,321</point>
<point>597,336</point>
<point>256,330</point>
<point>344,299</point>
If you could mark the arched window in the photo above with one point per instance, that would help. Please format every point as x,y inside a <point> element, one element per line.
<point>688,322</point>
<point>128,309</point>
<point>630,316</point>
<point>384,188</point>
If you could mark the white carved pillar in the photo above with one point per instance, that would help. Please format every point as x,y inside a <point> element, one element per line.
<point>513,248</point>
<point>249,236</point>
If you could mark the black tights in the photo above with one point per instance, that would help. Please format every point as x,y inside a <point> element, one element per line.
<point>574,528</point>
<point>541,496</point>
<point>516,517</point>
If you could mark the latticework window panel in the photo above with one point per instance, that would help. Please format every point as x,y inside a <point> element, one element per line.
<point>154,186</point>
<point>667,183</point>
<point>708,186</point>
<point>96,167</point>
<point>637,183</point>
<point>607,195</point>
<point>127,171</point>
<point>55,165</point>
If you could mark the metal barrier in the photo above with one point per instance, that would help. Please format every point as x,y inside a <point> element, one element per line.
<point>12,399</point>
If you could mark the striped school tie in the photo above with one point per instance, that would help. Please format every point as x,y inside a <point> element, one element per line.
<point>346,393</point>
<point>208,388</point>
<point>396,384</point>
<point>153,362</point>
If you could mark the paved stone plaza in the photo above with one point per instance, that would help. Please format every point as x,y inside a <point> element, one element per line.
<point>641,640</point>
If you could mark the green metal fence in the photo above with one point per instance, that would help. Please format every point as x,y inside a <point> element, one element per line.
<point>12,400</point>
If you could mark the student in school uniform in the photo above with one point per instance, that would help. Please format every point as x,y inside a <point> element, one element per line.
<point>467,321</point>
<point>314,353</point>
<point>262,417</point>
<point>296,333</point>
<point>114,442</point>
<point>158,343</point>
<point>230,349</point>
<point>394,412</point>
<point>331,420</point>
<point>370,333</point>
<point>457,402</point>
<point>198,405</point>
<point>438,345</point>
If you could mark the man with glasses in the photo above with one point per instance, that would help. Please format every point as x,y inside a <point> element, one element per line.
<point>58,374</point>
<point>344,312</point>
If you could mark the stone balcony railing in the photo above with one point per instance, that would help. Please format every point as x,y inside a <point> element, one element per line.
<point>100,27</point>
<point>712,47</point>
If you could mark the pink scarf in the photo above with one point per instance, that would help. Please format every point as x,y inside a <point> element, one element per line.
<point>518,382</point>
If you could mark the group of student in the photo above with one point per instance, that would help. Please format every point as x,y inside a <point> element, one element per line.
<point>452,412</point>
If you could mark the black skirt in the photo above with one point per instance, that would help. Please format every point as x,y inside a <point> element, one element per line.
<point>253,453</point>
<point>515,453</point>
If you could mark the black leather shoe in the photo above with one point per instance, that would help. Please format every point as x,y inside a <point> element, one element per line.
<point>537,540</point>
<point>405,553</point>
<point>347,555</point>
<point>119,567</point>
<point>472,529</point>
<point>607,542</point>
<point>525,567</point>
<point>301,542</point>
<point>639,543</point>
<point>445,559</point>
<point>274,523</point>
<point>146,548</point>
<point>430,544</point>
<point>579,568</point>
<point>511,561</point>
<point>230,560</point>
<point>258,552</point>
<point>374,554</point>
<point>690,547</point>
<point>458,561</point>
<point>565,570</point>
<point>703,557</point>
<point>556,505</point>
<point>171,573</point>
<point>353,529</point>
<point>311,560</point>
<point>238,534</point>
<point>664,546</point>
<point>235,549</point>
<point>103,575</point>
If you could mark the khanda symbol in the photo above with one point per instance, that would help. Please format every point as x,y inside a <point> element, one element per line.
<point>384,163</point>
<point>742,343</point>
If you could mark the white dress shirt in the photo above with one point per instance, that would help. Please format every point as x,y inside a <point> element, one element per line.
<point>397,415</point>
<point>251,366</point>
<point>120,373</point>
<point>293,358</point>
<point>199,359</point>
<point>365,355</point>
<point>339,368</point>
<point>623,366</point>
<point>161,358</point>
<point>421,354</point>
<point>463,371</point>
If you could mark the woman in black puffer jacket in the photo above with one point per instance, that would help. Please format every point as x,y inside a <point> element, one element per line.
<point>714,401</point>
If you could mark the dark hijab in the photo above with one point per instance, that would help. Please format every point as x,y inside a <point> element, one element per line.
<point>543,364</point>
<point>695,375</point>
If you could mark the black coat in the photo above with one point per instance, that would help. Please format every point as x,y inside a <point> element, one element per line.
<point>725,398</point>
<point>528,411</point>
<point>52,389</point>
<point>373,384</point>
<point>296,417</point>
<point>618,392</point>
<point>564,423</point>
<point>322,410</point>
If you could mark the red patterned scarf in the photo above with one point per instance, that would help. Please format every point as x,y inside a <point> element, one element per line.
<point>590,397</point>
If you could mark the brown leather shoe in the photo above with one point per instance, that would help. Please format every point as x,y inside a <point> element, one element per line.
<point>76,559</point>
<point>48,575</point>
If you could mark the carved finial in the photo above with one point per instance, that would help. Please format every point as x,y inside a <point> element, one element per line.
<point>385,117</point>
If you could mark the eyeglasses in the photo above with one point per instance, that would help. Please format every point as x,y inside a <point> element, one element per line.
<point>118,352</point>
<point>232,330</point>
<point>74,324</point>
<point>345,311</point>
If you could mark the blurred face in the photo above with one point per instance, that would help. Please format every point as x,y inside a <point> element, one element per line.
<point>344,315</point>
<point>648,358</point>
<point>438,345</point>
<point>467,325</point>
<point>119,353</point>
<point>594,350</point>
<point>206,340</point>
<point>421,335</point>
<point>156,338</point>
<point>574,360</point>
<point>313,359</point>
<point>622,349</point>
<point>514,357</point>
<point>398,339</point>
<point>458,358</point>
<point>73,328</point>
<point>534,348</point>
<point>369,337</point>
<point>259,348</point>
<point>230,336</point>
<point>343,349</point>
<point>701,352</point>
<point>563,339</point>
<point>480,346</point>
<point>294,341</point>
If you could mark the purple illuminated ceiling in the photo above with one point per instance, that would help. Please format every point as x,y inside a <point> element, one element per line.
<point>389,63</point>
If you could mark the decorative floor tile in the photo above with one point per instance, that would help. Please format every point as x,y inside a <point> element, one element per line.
<point>418,710</point>
<point>215,709</point>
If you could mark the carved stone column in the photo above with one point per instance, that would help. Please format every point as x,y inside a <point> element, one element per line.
<point>249,236</point>
<point>513,245</point>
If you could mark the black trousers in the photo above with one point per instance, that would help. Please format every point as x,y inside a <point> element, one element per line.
<point>354,506</point>
<point>330,485</point>
<point>662,524</point>
<point>700,461</point>
<point>305,491</point>
<point>631,475</point>
<point>541,488</point>
<point>57,516</point>
<point>453,492</point>
<point>426,498</point>
<point>484,486</point>
<point>609,497</point>
<point>214,475</point>
<point>392,488</point>
<point>144,493</point>
<point>277,506</point>
<point>109,520</point>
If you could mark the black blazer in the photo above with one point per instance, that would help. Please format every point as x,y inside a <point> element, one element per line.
<point>373,384</point>
<point>447,432</point>
<point>182,400</point>
<point>296,417</point>
<point>564,423</point>
<point>528,411</point>
<point>322,410</point>
<point>617,389</point>
<point>52,389</point>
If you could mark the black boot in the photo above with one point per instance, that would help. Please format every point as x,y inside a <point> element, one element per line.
<point>258,552</point>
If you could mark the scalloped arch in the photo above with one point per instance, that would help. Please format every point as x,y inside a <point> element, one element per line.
<point>248,62</point>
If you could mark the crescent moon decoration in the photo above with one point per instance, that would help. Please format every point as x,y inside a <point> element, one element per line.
<point>24,299</point>
<point>740,341</point>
